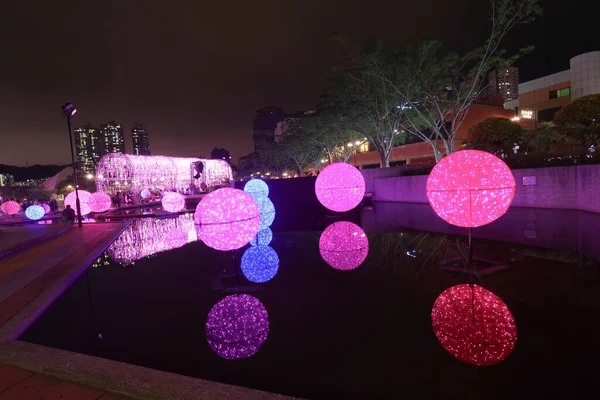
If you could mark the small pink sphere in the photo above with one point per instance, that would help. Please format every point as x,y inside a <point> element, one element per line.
<point>99,202</point>
<point>474,325</point>
<point>470,188</point>
<point>173,202</point>
<point>84,198</point>
<point>10,207</point>
<point>46,208</point>
<point>344,245</point>
<point>227,219</point>
<point>340,187</point>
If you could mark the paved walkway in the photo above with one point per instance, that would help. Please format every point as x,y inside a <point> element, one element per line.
<point>23,277</point>
<point>14,238</point>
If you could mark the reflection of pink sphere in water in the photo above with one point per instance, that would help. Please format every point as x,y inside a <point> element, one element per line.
<point>227,219</point>
<point>84,198</point>
<point>344,245</point>
<point>340,187</point>
<point>237,326</point>
<point>474,325</point>
<point>173,202</point>
<point>176,238</point>
<point>10,207</point>
<point>99,202</point>
<point>46,208</point>
<point>470,188</point>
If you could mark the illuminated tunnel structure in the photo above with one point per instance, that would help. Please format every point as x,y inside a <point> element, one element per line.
<point>118,172</point>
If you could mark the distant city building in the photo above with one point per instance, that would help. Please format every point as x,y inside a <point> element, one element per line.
<point>541,98</point>
<point>141,140</point>
<point>283,126</point>
<point>30,182</point>
<point>113,140</point>
<point>88,146</point>
<point>504,82</point>
<point>6,180</point>
<point>265,123</point>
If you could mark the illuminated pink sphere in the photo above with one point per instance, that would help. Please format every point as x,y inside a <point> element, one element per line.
<point>227,219</point>
<point>344,245</point>
<point>470,188</point>
<point>84,199</point>
<point>474,325</point>
<point>237,326</point>
<point>10,207</point>
<point>99,202</point>
<point>173,202</point>
<point>340,187</point>
<point>46,208</point>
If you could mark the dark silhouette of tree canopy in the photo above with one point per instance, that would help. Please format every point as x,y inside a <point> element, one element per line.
<point>494,134</point>
<point>580,120</point>
<point>219,153</point>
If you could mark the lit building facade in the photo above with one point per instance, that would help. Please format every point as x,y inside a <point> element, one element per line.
<point>541,98</point>
<point>504,82</point>
<point>141,140</point>
<point>113,140</point>
<point>88,146</point>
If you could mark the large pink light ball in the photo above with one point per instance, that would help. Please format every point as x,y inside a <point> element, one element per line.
<point>227,219</point>
<point>470,188</point>
<point>173,202</point>
<point>237,326</point>
<point>474,325</point>
<point>84,199</point>
<point>344,245</point>
<point>10,207</point>
<point>99,202</point>
<point>340,187</point>
<point>46,208</point>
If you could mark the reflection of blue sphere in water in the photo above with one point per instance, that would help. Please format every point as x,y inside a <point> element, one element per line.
<point>260,264</point>
<point>35,212</point>
<point>256,188</point>
<point>262,238</point>
<point>267,212</point>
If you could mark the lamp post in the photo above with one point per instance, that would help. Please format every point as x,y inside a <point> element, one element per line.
<point>69,111</point>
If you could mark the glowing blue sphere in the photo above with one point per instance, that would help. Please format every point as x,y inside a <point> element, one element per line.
<point>35,212</point>
<point>146,194</point>
<point>267,212</point>
<point>260,264</point>
<point>257,188</point>
<point>262,238</point>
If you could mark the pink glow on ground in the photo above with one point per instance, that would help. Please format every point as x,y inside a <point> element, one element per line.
<point>340,187</point>
<point>474,325</point>
<point>470,188</point>
<point>344,245</point>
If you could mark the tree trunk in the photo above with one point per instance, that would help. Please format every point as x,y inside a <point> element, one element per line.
<point>385,159</point>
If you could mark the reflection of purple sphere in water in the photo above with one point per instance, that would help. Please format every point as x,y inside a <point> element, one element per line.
<point>237,326</point>
<point>228,219</point>
<point>340,187</point>
<point>344,245</point>
<point>173,202</point>
<point>260,263</point>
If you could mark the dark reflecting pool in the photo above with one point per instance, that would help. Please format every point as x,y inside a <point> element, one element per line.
<point>378,306</point>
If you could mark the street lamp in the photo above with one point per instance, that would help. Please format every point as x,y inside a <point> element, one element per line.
<point>69,111</point>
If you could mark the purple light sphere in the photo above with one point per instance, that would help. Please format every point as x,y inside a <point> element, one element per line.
<point>84,198</point>
<point>237,326</point>
<point>46,208</point>
<point>227,219</point>
<point>99,202</point>
<point>340,187</point>
<point>344,245</point>
<point>173,202</point>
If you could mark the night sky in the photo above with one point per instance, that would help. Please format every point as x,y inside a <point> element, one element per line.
<point>194,73</point>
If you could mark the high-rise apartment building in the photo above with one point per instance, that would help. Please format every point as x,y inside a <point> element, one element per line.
<point>141,141</point>
<point>89,147</point>
<point>113,140</point>
<point>504,82</point>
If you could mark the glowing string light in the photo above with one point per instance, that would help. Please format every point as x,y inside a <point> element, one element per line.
<point>173,202</point>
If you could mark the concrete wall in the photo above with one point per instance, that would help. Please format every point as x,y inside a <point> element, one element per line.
<point>568,188</point>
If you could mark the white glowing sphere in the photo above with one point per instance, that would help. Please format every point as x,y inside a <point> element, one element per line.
<point>227,219</point>
<point>99,202</point>
<point>173,202</point>
<point>256,188</point>
<point>340,187</point>
<point>84,198</point>
<point>35,212</point>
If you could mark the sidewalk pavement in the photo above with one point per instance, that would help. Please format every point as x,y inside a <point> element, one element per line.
<point>15,238</point>
<point>27,274</point>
